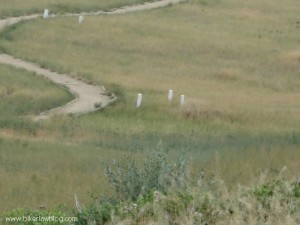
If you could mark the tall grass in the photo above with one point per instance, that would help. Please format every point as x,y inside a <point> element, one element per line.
<point>202,199</point>
<point>24,93</point>
<point>17,8</point>
<point>210,56</point>
<point>227,58</point>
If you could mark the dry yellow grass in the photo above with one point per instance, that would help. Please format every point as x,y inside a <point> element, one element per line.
<point>292,56</point>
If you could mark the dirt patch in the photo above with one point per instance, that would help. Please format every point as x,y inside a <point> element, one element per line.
<point>292,56</point>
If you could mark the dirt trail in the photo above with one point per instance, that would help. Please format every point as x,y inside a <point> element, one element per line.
<point>87,96</point>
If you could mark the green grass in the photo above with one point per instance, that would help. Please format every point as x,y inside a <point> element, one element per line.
<point>56,172</point>
<point>235,62</point>
<point>23,93</point>
<point>18,8</point>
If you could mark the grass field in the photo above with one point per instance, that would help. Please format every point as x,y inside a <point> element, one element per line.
<point>24,93</point>
<point>17,8</point>
<point>237,63</point>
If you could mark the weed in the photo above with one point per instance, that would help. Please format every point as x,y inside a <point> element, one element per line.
<point>118,91</point>
<point>205,202</point>
<point>98,105</point>
<point>156,174</point>
<point>99,213</point>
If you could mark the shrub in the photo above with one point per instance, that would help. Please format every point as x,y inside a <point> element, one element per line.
<point>156,173</point>
<point>98,213</point>
<point>157,192</point>
<point>296,188</point>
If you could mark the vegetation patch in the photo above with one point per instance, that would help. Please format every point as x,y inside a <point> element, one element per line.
<point>24,93</point>
<point>241,115</point>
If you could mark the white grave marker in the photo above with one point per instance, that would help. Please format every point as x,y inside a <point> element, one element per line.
<point>139,100</point>
<point>46,14</point>
<point>182,100</point>
<point>170,95</point>
<point>81,19</point>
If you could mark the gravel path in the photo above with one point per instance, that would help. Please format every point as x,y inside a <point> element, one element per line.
<point>88,97</point>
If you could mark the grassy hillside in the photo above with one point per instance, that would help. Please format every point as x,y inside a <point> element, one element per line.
<point>19,8</point>
<point>237,63</point>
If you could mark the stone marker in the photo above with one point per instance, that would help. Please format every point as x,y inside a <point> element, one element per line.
<point>182,100</point>
<point>81,19</point>
<point>170,95</point>
<point>139,100</point>
<point>46,14</point>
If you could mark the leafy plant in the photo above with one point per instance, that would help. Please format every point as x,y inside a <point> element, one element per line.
<point>97,213</point>
<point>296,188</point>
<point>156,173</point>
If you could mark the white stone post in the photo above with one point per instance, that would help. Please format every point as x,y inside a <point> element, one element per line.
<point>46,14</point>
<point>170,95</point>
<point>139,100</point>
<point>182,100</point>
<point>81,19</point>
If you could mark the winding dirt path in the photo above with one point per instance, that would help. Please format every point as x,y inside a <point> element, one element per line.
<point>88,97</point>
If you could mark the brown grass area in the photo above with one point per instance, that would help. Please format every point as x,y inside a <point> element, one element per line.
<point>230,74</point>
<point>293,56</point>
<point>252,14</point>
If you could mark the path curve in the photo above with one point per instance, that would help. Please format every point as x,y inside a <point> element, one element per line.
<point>88,97</point>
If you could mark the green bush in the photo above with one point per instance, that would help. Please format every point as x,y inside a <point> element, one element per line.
<point>267,190</point>
<point>156,173</point>
<point>206,201</point>
<point>296,189</point>
<point>99,212</point>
